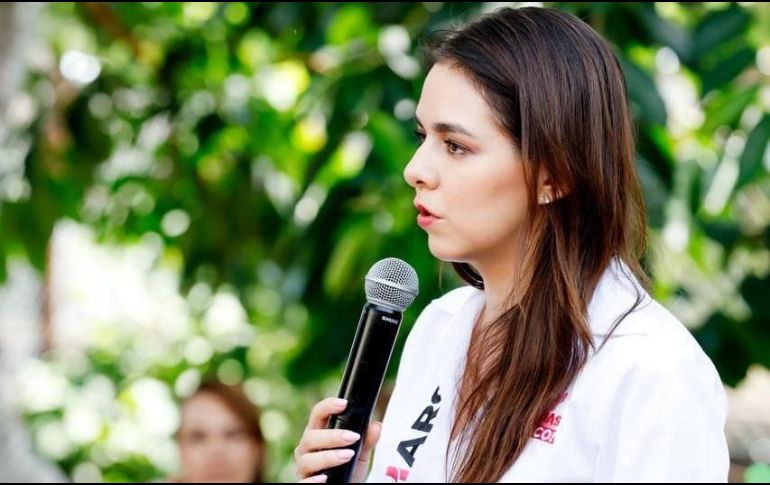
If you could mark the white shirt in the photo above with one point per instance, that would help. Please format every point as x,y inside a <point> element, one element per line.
<point>648,406</point>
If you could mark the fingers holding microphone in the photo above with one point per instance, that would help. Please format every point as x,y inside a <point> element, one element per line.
<point>321,448</point>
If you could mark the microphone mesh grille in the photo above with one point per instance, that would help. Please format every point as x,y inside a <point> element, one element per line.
<point>392,283</point>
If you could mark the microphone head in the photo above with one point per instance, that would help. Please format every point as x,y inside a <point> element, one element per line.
<point>392,283</point>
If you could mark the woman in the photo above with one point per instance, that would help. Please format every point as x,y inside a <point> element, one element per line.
<point>219,437</point>
<point>554,364</point>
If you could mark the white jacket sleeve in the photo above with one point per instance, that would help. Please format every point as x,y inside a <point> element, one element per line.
<point>668,422</point>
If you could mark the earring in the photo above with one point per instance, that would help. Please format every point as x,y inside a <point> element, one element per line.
<point>545,199</point>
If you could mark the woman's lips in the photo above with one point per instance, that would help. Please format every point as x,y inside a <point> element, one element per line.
<point>425,218</point>
<point>425,221</point>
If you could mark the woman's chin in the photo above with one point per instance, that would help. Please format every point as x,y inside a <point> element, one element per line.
<point>444,252</point>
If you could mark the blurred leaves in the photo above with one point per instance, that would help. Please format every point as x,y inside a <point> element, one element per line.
<point>758,473</point>
<point>643,94</point>
<point>717,29</point>
<point>754,152</point>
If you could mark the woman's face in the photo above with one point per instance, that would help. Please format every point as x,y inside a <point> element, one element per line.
<point>214,444</point>
<point>467,173</point>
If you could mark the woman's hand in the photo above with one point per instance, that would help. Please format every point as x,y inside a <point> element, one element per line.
<point>319,447</point>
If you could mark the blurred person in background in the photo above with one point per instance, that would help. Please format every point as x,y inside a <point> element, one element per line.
<point>219,437</point>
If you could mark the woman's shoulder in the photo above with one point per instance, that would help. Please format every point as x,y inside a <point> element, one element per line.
<point>653,348</point>
<point>634,333</point>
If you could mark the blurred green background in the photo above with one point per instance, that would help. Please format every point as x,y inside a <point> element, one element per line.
<point>238,166</point>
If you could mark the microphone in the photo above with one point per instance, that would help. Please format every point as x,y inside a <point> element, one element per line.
<point>391,286</point>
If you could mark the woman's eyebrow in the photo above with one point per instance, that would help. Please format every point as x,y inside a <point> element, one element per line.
<point>444,127</point>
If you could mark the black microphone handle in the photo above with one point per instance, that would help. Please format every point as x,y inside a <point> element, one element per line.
<point>363,377</point>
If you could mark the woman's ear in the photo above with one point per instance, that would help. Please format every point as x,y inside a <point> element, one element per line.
<point>547,191</point>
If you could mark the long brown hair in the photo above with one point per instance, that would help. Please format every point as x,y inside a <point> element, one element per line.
<point>558,91</point>
<point>247,412</point>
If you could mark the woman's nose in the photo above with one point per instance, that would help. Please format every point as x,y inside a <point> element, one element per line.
<point>419,172</point>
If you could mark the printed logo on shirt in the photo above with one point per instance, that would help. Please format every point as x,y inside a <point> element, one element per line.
<point>547,430</point>
<point>408,448</point>
<point>397,474</point>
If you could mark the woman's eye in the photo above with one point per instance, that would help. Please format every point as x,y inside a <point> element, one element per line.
<point>454,148</point>
<point>196,437</point>
<point>236,435</point>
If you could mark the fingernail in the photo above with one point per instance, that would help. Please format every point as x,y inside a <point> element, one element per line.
<point>351,436</point>
<point>345,454</point>
<point>341,403</point>
<point>320,478</point>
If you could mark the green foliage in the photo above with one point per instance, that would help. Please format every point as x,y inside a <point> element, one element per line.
<point>758,473</point>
